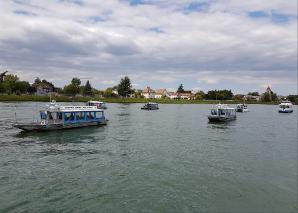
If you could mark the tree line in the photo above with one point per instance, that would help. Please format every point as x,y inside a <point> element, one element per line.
<point>11,84</point>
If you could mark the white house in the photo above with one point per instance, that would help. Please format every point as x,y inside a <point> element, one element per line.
<point>252,97</point>
<point>148,93</point>
<point>173,95</point>
<point>44,90</point>
<point>187,96</point>
<point>161,92</point>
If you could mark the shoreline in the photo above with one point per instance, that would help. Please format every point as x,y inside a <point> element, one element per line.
<point>34,98</point>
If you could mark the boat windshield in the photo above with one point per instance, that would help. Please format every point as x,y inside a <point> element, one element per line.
<point>43,115</point>
<point>284,106</point>
<point>213,112</point>
<point>221,112</point>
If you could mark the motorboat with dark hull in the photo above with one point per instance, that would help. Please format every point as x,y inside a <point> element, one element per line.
<point>150,106</point>
<point>57,117</point>
<point>222,113</point>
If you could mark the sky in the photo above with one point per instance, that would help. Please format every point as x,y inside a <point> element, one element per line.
<point>217,44</point>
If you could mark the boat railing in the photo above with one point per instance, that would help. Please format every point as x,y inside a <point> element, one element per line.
<point>73,108</point>
<point>77,107</point>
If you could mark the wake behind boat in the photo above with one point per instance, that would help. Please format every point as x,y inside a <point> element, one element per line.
<point>56,117</point>
<point>222,113</point>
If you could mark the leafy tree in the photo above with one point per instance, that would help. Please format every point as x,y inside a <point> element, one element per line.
<point>97,92</point>
<point>108,93</point>
<point>199,95</point>
<point>73,88</point>
<point>269,97</point>
<point>293,98</point>
<point>219,95</point>
<point>58,90</point>
<point>37,81</point>
<point>2,88</point>
<point>253,93</point>
<point>76,82</point>
<point>266,97</point>
<point>87,89</point>
<point>10,83</point>
<point>238,97</point>
<point>31,90</point>
<point>43,83</point>
<point>180,89</point>
<point>124,87</point>
<point>47,83</point>
<point>21,87</point>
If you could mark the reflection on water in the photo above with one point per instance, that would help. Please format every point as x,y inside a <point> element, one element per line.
<point>78,135</point>
<point>223,125</point>
<point>123,114</point>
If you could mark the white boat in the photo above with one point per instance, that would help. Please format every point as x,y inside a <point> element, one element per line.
<point>98,104</point>
<point>241,108</point>
<point>55,117</point>
<point>285,107</point>
<point>222,113</point>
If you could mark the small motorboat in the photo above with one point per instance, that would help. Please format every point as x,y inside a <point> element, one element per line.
<point>98,104</point>
<point>150,106</point>
<point>285,107</point>
<point>222,113</point>
<point>55,117</point>
<point>241,108</point>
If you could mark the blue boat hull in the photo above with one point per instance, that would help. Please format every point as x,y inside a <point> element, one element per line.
<point>285,111</point>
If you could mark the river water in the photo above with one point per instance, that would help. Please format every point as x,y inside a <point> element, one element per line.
<point>169,160</point>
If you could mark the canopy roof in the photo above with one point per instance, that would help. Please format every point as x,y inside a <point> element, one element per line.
<point>57,108</point>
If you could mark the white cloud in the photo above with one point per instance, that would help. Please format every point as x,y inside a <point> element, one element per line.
<point>109,39</point>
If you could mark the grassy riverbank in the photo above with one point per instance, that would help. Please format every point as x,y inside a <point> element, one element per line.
<point>22,98</point>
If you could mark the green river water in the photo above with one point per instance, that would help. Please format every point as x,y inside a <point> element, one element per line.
<point>169,160</point>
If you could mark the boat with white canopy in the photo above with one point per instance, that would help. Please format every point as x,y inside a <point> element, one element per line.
<point>285,107</point>
<point>241,108</point>
<point>55,117</point>
<point>222,113</point>
<point>98,104</point>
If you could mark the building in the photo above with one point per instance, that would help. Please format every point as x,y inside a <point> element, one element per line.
<point>252,97</point>
<point>44,90</point>
<point>173,95</point>
<point>185,95</point>
<point>148,93</point>
<point>161,93</point>
<point>268,90</point>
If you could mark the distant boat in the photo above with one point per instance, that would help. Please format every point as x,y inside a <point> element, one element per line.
<point>98,104</point>
<point>56,117</point>
<point>241,108</point>
<point>285,107</point>
<point>222,113</point>
<point>150,106</point>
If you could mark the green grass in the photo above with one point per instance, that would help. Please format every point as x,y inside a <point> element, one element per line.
<point>21,98</point>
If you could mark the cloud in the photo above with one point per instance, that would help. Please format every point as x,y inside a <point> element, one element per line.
<point>162,43</point>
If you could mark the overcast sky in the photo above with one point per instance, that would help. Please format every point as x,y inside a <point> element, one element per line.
<point>243,45</point>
